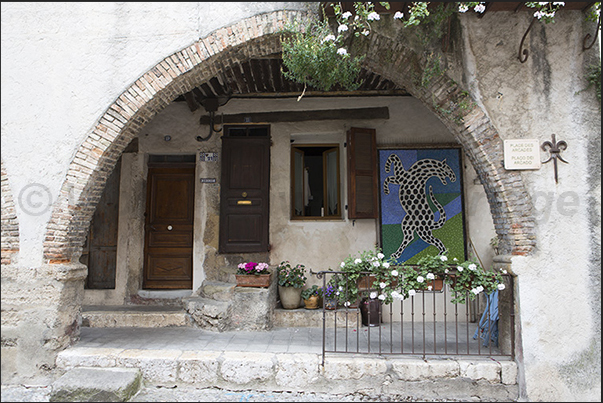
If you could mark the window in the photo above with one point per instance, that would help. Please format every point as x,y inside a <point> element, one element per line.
<point>315,185</point>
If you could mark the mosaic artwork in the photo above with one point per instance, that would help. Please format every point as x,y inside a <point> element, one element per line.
<point>421,203</point>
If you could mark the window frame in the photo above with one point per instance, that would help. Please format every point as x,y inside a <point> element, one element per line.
<point>328,147</point>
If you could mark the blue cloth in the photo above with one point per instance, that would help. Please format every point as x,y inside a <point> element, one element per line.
<point>488,324</point>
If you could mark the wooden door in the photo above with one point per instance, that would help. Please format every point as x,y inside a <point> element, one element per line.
<point>168,260</point>
<point>244,194</point>
<point>100,249</point>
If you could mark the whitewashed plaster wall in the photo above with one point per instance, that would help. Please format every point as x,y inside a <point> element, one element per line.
<point>534,100</point>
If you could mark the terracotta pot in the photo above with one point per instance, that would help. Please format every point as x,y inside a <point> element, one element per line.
<point>253,280</point>
<point>436,285</point>
<point>312,302</point>
<point>290,297</point>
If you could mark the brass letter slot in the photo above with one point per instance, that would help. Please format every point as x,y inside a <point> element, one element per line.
<point>244,202</point>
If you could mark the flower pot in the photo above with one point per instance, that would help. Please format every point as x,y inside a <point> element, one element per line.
<point>370,310</point>
<point>253,280</point>
<point>330,303</point>
<point>312,302</point>
<point>436,285</point>
<point>290,297</point>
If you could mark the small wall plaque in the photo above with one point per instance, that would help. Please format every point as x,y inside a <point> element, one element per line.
<point>208,157</point>
<point>208,180</point>
<point>522,154</point>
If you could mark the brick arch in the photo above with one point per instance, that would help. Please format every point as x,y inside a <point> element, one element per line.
<point>178,73</point>
<point>10,224</point>
<point>507,195</point>
<point>254,37</point>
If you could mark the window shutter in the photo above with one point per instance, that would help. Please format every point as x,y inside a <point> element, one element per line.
<point>362,173</point>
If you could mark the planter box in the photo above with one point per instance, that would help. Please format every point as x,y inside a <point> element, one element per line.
<point>253,280</point>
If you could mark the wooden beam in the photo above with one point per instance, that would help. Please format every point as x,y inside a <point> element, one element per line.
<point>190,101</point>
<point>301,116</point>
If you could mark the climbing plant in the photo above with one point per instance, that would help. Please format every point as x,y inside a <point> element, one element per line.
<point>328,53</point>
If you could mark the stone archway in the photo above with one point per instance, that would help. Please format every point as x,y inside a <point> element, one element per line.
<point>252,37</point>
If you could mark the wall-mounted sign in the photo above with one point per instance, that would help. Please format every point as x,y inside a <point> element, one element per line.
<point>208,180</point>
<point>522,154</point>
<point>208,157</point>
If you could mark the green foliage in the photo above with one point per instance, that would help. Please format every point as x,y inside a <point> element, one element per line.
<point>317,58</point>
<point>289,276</point>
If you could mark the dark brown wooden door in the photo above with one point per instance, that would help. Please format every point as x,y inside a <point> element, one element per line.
<point>244,194</point>
<point>100,250</point>
<point>168,260</point>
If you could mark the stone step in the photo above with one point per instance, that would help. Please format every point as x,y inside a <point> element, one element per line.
<point>134,316</point>
<point>93,384</point>
<point>220,291</point>
<point>303,317</point>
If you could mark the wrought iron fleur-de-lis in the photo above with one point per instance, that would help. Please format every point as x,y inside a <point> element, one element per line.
<point>554,148</point>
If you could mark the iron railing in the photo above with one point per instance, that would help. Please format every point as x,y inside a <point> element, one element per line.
<point>427,324</point>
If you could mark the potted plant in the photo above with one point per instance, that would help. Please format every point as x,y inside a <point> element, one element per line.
<point>330,295</point>
<point>369,271</point>
<point>468,279</point>
<point>252,274</point>
<point>311,297</point>
<point>291,280</point>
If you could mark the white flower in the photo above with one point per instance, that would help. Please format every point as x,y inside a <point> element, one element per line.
<point>443,258</point>
<point>475,291</point>
<point>382,285</point>
<point>398,15</point>
<point>480,8</point>
<point>455,260</point>
<point>503,271</point>
<point>342,265</point>
<point>342,51</point>
<point>380,255</point>
<point>381,297</point>
<point>386,265</point>
<point>394,272</point>
<point>397,295</point>
<point>463,8</point>
<point>346,15</point>
<point>373,16</point>
<point>342,28</point>
<point>328,38</point>
<point>357,261</point>
<point>446,271</point>
<point>429,288</point>
<point>347,303</point>
<point>412,293</point>
<point>500,287</point>
<point>559,3</point>
<point>340,288</point>
<point>373,295</point>
<point>459,268</point>
<point>430,276</point>
<point>337,293</point>
<point>472,267</point>
<point>376,264</point>
<point>480,288</point>
<point>365,32</point>
<point>420,279</point>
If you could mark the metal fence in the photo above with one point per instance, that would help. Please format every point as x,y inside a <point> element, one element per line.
<point>426,324</point>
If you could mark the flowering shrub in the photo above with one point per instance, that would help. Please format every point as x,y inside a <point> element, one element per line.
<point>470,276</point>
<point>253,268</point>
<point>291,276</point>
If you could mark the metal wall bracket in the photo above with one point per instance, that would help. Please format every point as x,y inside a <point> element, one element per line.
<point>554,148</point>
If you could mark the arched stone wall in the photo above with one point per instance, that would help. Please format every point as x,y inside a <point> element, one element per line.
<point>255,37</point>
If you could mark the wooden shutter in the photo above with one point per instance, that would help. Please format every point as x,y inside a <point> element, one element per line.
<point>363,201</point>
